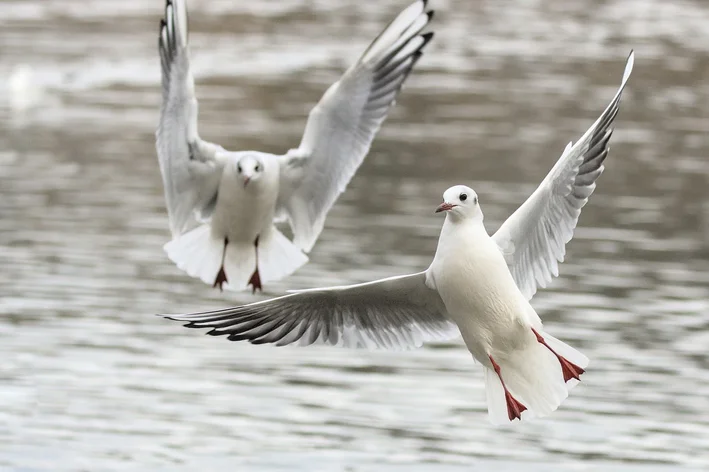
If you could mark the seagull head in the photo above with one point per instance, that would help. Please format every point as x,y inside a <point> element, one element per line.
<point>460,202</point>
<point>249,169</point>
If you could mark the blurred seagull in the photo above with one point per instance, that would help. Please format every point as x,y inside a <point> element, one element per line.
<point>477,286</point>
<point>237,196</point>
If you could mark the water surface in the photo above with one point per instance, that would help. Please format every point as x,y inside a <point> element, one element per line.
<point>91,380</point>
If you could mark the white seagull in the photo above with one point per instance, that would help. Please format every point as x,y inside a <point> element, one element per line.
<point>477,286</point>
<point>237,196</point>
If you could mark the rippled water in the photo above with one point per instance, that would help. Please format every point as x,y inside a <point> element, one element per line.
<point>92,381</point>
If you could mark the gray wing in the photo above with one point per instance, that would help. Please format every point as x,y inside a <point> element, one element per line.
<point>534,237</point>
<point>393,313</point>
<point>190,167</point>
<point>341,127</point>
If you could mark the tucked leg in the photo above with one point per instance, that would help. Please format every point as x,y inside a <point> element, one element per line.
<point>514,408</point>
<point>568,368</point>
<point>255,280</point>
<point>221,275</point>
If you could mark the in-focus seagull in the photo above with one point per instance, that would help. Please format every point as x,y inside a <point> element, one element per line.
<point>237,196</point>
<point>477,286</point>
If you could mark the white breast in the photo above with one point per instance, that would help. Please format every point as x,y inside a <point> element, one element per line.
<point>242,213</point>
<point>477,288</point>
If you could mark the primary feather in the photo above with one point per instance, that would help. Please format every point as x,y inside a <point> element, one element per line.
<point>533,239</point>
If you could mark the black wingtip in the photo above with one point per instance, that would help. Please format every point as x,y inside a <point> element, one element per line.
<point>425,3</point>
<point>187,324</point>
<point>430,14</point>
<point>416,56</point>
<point>168,4</point>
<point>414,59</point>
<point>426,38</point>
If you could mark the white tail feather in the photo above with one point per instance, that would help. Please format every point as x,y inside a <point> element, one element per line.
<point>199,254</point>
<point>239,265</point>
<point>278,257</point>
<point>532,375</point>
<point>496,405</point>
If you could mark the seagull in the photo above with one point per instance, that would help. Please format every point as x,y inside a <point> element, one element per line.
<point>236,197</point>
<point>477,286</point>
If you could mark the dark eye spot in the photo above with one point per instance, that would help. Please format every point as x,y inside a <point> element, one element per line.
<point>463,197</point>
<point>238,168</point>
<point>257,168</point>
<point>475,200</point>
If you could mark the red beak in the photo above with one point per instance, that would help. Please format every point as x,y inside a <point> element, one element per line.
<point>246,181</point>
<point>445,207</point>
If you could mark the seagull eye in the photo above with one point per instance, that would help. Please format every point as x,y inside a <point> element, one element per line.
<point>238,168</point>
<point>463,197</point>
<point>257,168</point>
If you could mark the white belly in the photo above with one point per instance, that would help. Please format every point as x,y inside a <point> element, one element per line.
<point>243,213</point>
<point>481,297</point>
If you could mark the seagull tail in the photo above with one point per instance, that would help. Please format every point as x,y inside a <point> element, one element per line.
<point>535,376</point>
<point>278,257</point>
<point>197,252</point>
<point>202,255</point>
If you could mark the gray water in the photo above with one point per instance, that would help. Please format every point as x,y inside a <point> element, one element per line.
<point>91,381</point>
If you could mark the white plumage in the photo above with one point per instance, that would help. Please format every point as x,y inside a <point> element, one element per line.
<point>477,286</point>
<point>239,195</point>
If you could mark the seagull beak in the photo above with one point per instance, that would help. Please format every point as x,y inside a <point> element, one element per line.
<point>445,207</point>
<point>246,181</point>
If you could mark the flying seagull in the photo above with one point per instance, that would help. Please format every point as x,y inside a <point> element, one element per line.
<point>477,286</point>
<point>237,196</point>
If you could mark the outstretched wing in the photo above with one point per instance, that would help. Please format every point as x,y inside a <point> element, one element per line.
<point>534,237</point>
<point>341,127</point>
<point>190,167</point>
<point>393,313</point>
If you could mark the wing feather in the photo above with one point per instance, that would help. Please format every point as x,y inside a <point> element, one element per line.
<point>394,313</point>
<point>533,239</point>
<point>190,166</point>
<point>341,127</point>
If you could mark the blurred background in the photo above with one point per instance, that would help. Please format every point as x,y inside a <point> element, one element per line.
<point>90,380</point>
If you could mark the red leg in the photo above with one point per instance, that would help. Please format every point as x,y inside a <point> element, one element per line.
<point>255,280</point>
<point>568,368</point>
<point>514,407</point>
<point>221,275</point>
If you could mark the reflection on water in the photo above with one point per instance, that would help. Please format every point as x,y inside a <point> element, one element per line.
<point>92,381</point>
